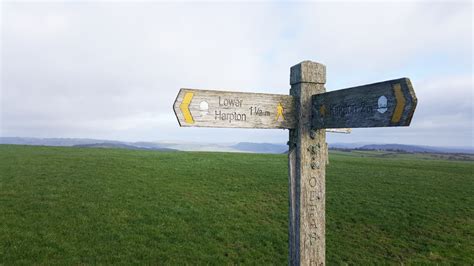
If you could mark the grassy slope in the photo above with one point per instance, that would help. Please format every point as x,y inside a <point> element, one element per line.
<point>67,205</point>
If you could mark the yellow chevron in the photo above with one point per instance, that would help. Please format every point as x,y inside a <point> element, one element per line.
<point>184,106</point>
<point>397,115</point>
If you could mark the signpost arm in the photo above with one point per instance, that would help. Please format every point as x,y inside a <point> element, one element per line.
<point>307,163</point>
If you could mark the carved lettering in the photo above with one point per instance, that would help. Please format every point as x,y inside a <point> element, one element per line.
<point>346,109</point>
<point>255,110</point>
<point>219,115</point>
<point>313,237</point>
<point>230,102</point>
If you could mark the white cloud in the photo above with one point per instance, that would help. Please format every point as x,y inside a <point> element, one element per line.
<point>112,70</point>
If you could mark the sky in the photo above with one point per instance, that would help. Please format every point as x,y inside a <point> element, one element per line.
<point>112,70</point>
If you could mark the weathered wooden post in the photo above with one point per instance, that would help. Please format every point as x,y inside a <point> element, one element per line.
<point>306,166</point>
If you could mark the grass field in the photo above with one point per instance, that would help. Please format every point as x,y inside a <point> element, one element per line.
<point>69,206</point>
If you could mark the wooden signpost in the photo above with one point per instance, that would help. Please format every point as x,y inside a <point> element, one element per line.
<point>308,112</point>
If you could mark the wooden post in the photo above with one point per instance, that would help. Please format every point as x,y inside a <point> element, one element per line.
<point>307,170</point>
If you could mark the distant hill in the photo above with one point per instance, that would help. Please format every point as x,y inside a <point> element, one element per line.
<point>85,143</point>
<point>51,141</point>
<point>469,150</point>
<point>396,147</point>
<point>415,148</point>
<point>239,147</point>
<point>121,146</point>
<point>260,147</point>
<point>339,145</point>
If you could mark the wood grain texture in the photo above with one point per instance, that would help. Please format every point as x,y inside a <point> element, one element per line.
<point>383,104</point>
<point>307,160</point>
<point>339,130</point>
<point>235,109</point>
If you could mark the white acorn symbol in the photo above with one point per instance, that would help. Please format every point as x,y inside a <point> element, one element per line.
<point>382,104</point>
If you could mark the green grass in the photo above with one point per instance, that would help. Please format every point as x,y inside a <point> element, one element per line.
<point>72,206</point>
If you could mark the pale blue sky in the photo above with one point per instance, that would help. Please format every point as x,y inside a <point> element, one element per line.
<point>112,70</point>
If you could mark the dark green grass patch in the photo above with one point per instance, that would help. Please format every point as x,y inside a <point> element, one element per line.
<point>72,206</point>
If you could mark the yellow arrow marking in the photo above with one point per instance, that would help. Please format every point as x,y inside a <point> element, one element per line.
<point>184,106</point>
<point>397,115</point>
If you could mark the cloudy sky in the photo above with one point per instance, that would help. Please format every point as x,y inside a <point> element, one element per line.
<point>111,70</point>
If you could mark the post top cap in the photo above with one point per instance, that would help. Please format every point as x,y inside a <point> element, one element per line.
<point>308,71</point>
